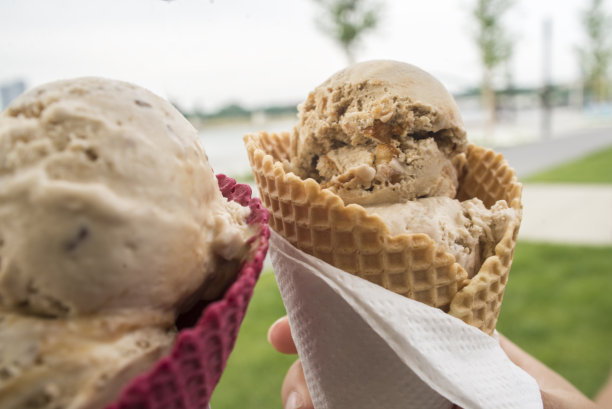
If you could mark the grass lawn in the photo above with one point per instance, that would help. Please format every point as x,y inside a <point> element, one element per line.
<point>255,370</point>
<point>594,168</point>
<point>246,177</point>
<point>558,307</point>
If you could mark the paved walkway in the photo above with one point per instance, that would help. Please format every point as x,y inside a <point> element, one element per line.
<point>580,214</point>
<point>533,157</point>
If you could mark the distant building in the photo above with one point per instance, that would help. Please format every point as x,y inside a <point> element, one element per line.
<point>11,90</point>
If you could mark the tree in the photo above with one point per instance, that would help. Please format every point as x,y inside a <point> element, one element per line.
<point>596,55</point>
<point>495,46</point>
<point>345,21</point>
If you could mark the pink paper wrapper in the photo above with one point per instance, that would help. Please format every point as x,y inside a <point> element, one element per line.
<point>186,377</point>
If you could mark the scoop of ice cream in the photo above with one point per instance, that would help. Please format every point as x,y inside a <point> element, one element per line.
<point>383,134</point>
<point>111,223</point>
<point>467,230</point>
<point>108,203</point>
<point>379,132</point>
<point>386,174</point>
<point>72,363</point>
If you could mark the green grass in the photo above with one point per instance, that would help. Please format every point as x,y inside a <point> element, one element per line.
<point>594,168</point>
<point>557,306</point>
<point>246,177</point>
<point>255,370</point>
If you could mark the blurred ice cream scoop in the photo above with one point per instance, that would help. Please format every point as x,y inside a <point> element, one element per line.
<point>73,363</point>
<point>109,211</point>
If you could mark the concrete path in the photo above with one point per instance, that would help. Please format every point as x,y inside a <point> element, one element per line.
<point>579,214</point>
<point>533,157</point>
<point>576,214</point>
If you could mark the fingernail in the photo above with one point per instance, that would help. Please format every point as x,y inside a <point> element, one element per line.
<point>294,401</point>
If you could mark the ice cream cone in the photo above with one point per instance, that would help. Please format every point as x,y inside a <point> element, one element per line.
<point>187,376</point>
<point>120,255</point>
<point>317,222</point>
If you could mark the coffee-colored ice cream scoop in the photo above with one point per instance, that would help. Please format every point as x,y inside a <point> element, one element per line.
<point>379,132</point>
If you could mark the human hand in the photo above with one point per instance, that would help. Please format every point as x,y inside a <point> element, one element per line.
<point>557,393</point>
<point>294,392</point>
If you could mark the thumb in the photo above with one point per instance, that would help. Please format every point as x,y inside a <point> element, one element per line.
<point>294,392</point>
<point>557,393</point>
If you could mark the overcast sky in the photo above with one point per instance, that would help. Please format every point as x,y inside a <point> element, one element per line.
<point>207,53</point>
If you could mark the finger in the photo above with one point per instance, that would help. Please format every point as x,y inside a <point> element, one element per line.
<point>294,392</point>
<point>279,335</point>
<point>557,393</point>
<point>545,376</point>
<point>604,397</point>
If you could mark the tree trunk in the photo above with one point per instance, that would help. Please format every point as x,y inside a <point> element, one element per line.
<point>488,99</point>
<point>350,56</point>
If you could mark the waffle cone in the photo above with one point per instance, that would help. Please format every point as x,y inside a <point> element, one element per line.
<point>317,222</point>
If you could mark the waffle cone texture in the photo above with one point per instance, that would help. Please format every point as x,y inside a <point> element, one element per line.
<point>317,222</point>
<point>186,377</point>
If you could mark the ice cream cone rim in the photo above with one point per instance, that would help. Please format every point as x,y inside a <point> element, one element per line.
<point>274,167</point>
<point>300,209</point>
<point>317,195</point>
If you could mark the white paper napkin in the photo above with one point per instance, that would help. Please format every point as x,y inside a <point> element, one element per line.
<point>364,347</point>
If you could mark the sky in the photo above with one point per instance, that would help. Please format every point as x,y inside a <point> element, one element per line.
<point>204,54</point>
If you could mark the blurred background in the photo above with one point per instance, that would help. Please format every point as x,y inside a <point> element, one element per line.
<point>532,80</point>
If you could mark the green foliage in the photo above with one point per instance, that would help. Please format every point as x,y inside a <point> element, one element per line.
<point>232,111</point>
<point>596,55</point>
<point>593,168</point>
<point>346,21</point>
<point>493,41</point>
<point>237,111</point>
<point>557,307</point>
<point>281,110</point>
